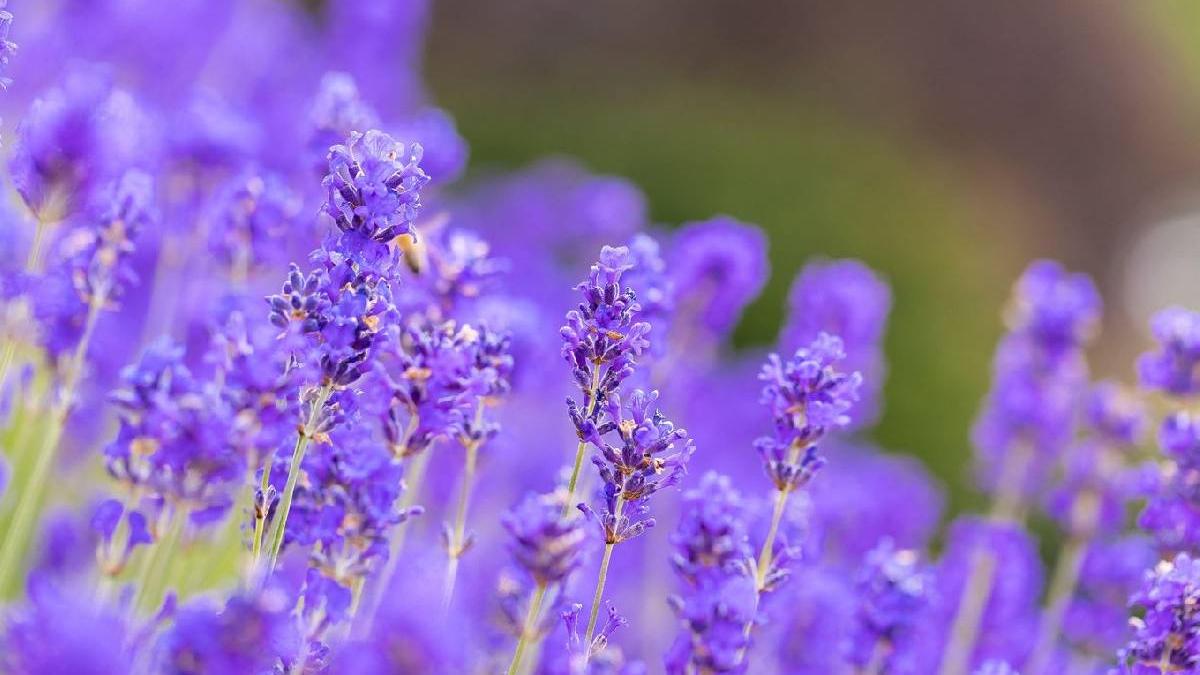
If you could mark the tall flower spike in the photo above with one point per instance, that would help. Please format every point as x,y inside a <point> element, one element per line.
<point>1167,639</point>
<point>719,598</point>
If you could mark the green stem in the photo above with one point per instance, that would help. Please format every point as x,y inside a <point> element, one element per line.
<point>591,408</point>
<point>528,628</point>
<point>412,493</point>
<point>285,502</point>
<point>20,530</point>
<point>599,595</point>
<point>978,588</point>
<point>159,556</point>
<point>1062,585</point>
<point>456,545</point>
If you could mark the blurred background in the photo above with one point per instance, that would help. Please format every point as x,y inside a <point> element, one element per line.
<point>944,143</point>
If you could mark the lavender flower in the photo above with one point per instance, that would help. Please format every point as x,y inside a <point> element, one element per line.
<point>249,219</point>
<point>8,48</point>
<point>337,110</point>
<point>1165,639</point>
<point>75,138</point>
<point>848,299</point>
<point>1170,511</point>
<point>603,337</point>
<point>718,266</point>
<point>61,630</point>
<point>373,192</point>
<point>719,599</point>
<point>711,540</point>
<point>169,444</point>
<point>544,542</point>
<point>1172,367</point>
<point>249,634</point>
<point>893,589</point>
<point>1039,377</point>
<point>808,397</point>
<point>651,454</point>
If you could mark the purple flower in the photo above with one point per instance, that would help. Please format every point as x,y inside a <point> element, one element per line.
<point>75,137</point>
<point>717,267</point>
<point>373,190</point>
<point>711,540</point>
<point>337,110</point>
<point>1039,376</point>
<point>1170,513</point>
<point>99,252</point>
<point>650,454</point>
<point>719,600</point>
<point>848,299</point>
<point>1167,638</point>
<point>893,589</point>
<point>543,541</point>
<point>345,511</point>
<point>62,630</point>
<point>250,218</point>
<point>171,442</point>
<point>1172,367</point>
<point>808,396</point>
<point>1057,310</point>
<point>249,634</point>
<point>603,337</point>
<point>592,659</point>
<point>714,619</point>
<point>8,48</point>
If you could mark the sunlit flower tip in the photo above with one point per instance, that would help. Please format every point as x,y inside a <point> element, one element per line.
<point>1172,366</point>
<point>543,541</point>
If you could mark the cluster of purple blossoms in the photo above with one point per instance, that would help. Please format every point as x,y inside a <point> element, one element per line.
<point>847,299</point>
<point>1166,638</point>
<point>284,451</point>
<point>718,602</point>
<point>808,396</point>
<point>1170,510</point>
<point>893,589</point>
<point>1039,375</point>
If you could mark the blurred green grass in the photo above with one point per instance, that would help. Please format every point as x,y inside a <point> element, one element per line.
<point>819,185</point>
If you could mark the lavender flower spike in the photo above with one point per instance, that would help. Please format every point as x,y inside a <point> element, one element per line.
<point>602,339</point>
<point>1167,639</point>
<point>808,396</point>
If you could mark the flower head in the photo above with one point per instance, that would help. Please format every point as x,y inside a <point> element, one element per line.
<point>717,267</point>
<point>543,541</point>
<point>1167,638</point>
<point>1172,367</point>
<point>373,190</point>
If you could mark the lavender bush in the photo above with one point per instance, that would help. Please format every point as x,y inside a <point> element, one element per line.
<point>282,397</point>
